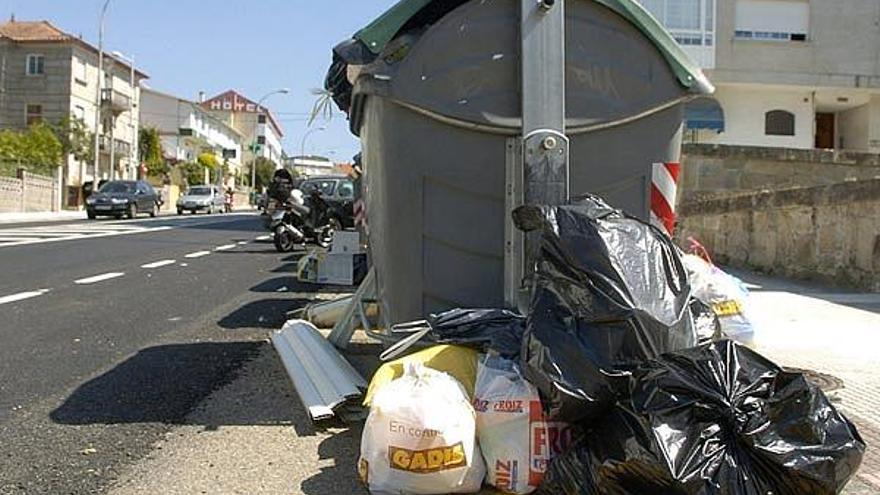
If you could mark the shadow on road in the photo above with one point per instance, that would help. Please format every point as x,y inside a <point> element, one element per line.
<point>343,448</point>
<point>162,385</point>
<point>266,313</point>
<point>290,284</point>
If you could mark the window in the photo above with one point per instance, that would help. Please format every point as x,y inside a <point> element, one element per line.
<point>772,20</point>
<point>779,123</point>
<point>36,65</point>
<point>691,22</point>
<point>33,114</point>
<point>345,190</point>
<point>79,71</point>
<point>261,118</point>
<point>79,112</point>
<point>261,139</point>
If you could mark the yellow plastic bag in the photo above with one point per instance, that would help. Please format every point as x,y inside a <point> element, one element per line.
<point>458,361</point>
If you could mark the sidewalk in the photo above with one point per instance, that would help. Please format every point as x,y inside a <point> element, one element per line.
<point>227,446</point>
<point>835,333</point>
<point>41,216</point>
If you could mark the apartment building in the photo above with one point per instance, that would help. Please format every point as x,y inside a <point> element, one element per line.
<point>254,122</point>
<point>789,73</point>
<point>186,130</point>
<point>47,74</point>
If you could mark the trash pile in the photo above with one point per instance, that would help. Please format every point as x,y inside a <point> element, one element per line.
<point>617,381</point>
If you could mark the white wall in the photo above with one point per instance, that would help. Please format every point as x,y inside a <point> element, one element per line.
<point>853,127</point>
<point>744,108</point>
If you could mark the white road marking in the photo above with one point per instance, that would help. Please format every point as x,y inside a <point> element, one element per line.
<point>198,254</point>
<point>22,296</point>
<point>157,264</point>
<point>264,238</point>
<point>94,234</point>
<point>225,247</point>
<point>98,278</point>
<point>242,243</point>
<point>19,239</point>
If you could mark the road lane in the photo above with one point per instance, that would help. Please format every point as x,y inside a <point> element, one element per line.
<point>52,264</point>
<point>92,376</point>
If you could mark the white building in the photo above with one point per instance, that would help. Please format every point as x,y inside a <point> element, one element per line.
<point>311,166</point>
<point>255,123</point>
<point>47,75</point>
<point>789,73</point>
<point>186,130</point>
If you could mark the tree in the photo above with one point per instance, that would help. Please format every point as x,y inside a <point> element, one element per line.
<point>193,172</point>
<point>265,170</point>
<point>37,149</point>
<point>150,151</point>
<point>75,138</point>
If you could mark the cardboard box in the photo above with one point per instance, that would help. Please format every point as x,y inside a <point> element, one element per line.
<point>336,269</point>
<point>346,241</point>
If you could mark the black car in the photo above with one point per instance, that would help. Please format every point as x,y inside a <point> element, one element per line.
<point>338,192</point>
<point>123,197</point>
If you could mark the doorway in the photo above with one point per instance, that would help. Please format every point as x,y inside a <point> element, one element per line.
<point>824,130</point>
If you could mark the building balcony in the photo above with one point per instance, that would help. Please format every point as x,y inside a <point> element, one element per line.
<point>122,148</point>
<point>115,101</point>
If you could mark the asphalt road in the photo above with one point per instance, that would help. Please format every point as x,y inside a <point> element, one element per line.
<point>112,332</point>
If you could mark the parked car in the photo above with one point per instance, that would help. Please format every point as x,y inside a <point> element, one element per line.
<point>201,198</point>
<point>123,197</point>
<point>338,192</point>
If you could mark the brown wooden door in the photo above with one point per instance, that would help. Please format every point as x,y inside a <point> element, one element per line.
<point>825,130</point>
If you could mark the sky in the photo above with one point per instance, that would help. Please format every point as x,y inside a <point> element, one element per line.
<point>252,46</point>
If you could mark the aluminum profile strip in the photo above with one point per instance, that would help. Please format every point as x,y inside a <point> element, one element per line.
<point>323,379</point>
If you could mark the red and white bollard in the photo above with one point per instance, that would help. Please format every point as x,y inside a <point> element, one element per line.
<point>664,184</point>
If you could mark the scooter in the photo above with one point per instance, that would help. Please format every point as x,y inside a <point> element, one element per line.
<point>299,220</point>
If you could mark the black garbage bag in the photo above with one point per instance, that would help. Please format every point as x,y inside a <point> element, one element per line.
<point>609,293</point>
<point>718,419</point>
<point>489,330</point>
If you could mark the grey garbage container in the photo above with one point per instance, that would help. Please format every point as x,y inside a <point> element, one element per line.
<point>432,88</point>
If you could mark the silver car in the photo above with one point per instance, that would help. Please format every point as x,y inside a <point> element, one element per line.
<point>201,198</point>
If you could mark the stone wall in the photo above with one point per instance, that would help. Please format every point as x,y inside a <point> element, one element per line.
<point>720,170</point>
<point>829,233</point>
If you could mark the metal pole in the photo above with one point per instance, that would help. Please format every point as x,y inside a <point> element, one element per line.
<point>539,174</point>
<point>254,148</point>
<point>302,147</point>
<point>133,150</point>
<point>99,92</point>
<point>112,131</point>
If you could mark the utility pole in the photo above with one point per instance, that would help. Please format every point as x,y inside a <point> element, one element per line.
<point>302,145</point>
<point>283,91</point>
<point>99,94</point>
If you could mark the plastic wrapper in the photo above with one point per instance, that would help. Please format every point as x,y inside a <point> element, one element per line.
<point>726,295</point>
<point>489,330</point>
<point>420,437</point>
<point>457,361</point>
<point>718,419</point>
<point>516,439</point>
<point>609,293</point>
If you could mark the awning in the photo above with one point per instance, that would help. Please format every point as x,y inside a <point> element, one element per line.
<point>704,113</point>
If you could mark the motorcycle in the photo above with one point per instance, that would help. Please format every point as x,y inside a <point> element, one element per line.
<point>297,221</point>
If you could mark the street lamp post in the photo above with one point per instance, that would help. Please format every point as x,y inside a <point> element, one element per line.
<point>282,91</point>
<point>100,90</point>
<point>133,149</point>
<point>302,146</point>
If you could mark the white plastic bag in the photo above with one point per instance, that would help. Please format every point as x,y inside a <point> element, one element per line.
<point>420,437</point>
<point>516,441</point>
<point>727,296</point>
